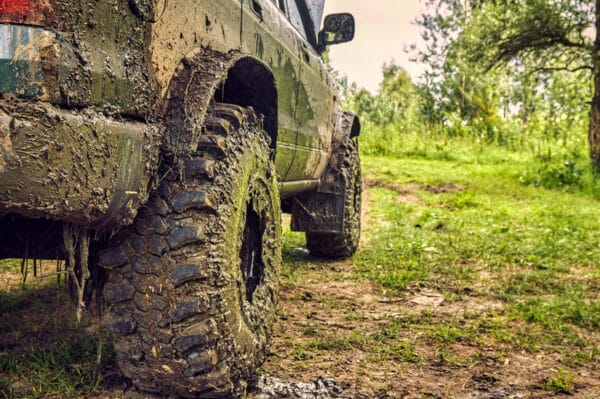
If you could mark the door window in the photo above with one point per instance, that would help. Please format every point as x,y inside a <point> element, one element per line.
<point>295,17</point>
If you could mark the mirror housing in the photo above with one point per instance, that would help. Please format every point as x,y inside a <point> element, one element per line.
<point>337,28</point>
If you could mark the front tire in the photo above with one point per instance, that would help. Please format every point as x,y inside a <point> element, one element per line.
<point>193,286</point>
<point>345,243</point>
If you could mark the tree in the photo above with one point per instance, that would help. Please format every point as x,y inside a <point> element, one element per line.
<point>549,35</point>
<point>396,98</point>
<point>457,90</point>
<point>393,106</point>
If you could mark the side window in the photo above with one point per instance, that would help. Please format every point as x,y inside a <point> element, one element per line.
<point>280,4</point>
<point>295,17</point>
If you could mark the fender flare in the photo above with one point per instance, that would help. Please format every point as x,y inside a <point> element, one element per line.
<point>348,125</point>
<point>200,75</point>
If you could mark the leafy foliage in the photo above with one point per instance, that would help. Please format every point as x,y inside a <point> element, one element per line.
<point>511,74</point>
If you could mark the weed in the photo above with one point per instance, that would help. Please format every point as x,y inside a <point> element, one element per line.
<point>571,308</point>
<point>556,172</point>
<point>400,351</point>
<point>561,381</point>
<point>310,331</point>
<point>447,334</point>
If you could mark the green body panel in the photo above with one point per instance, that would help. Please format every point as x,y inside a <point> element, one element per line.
<point>102,58</point>
<point>305,107</point>
<point>116,59</point>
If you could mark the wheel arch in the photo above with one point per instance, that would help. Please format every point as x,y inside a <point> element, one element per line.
<point>250,83</point>
<point>206,75</point>
<point>348,125</point>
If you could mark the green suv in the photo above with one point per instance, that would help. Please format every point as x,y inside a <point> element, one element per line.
<point>152,145</point>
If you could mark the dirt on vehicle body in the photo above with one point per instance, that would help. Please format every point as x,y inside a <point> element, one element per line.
<point>152,145</point>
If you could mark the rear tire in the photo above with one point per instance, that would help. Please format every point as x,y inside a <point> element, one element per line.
<point>193,286</point>
<point>345,243</point>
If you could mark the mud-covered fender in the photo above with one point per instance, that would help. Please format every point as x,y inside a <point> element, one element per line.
<point>202,75</point>
<point>348,125</point>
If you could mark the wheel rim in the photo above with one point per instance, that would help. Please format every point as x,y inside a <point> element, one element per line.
<point>252,265</point>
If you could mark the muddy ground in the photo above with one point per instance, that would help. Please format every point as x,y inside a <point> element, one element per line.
<point>358,375</point>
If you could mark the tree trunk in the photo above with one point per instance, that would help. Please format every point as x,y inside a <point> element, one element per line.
<point>594,129</point>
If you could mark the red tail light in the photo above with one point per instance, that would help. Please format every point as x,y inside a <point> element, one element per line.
<point>25,12</point>
<point>15,7</point>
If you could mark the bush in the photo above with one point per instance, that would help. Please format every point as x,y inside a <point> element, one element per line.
<point>563,171</point>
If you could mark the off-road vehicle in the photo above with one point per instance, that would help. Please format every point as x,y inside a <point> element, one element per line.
<point>152,145</point>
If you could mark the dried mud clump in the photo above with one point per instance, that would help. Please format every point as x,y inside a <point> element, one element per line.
<point>268,387</point>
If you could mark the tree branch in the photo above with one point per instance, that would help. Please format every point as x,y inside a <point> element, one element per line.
<point>556,69</point>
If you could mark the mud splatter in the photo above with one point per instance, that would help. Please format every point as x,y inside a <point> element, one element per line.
<point>269,387</point>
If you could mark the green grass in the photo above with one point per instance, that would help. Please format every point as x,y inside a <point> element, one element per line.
<point>561,381</point>
<point>475,229</point>
<point>517,233</point>
<point>510,240</point>
<point>492,221</point>
<point>382,345</point>
<point>45,351</point>
<point>66,369</point>
<point>9,264</point>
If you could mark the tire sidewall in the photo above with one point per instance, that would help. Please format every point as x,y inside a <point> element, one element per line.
<point>252,181</point>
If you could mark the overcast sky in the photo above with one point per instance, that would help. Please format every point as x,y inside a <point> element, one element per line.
<point>384,28</point>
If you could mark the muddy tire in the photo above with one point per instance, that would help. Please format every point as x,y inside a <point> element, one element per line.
<point>192,285</point>
<point>345,243</point>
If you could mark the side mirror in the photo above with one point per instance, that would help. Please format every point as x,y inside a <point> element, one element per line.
<point>337,28</point>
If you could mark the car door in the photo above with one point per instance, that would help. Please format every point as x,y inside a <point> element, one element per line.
<point>268,35</point>
<point>313,107</point>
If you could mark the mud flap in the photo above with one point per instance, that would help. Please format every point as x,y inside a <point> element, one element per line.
<point>318,212</point>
